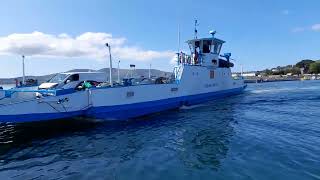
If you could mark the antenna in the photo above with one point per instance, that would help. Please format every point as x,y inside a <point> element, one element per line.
<point>195,29</point>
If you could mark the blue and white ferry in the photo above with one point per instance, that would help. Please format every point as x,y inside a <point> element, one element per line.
<point>199,77</point>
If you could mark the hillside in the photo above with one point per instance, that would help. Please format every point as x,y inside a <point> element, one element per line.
<point>306,66</point>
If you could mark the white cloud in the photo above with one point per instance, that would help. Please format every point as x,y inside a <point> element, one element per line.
<point>285,12</point>
<point>315,27</point>
<point>89,45</point>
<point>298,29</point>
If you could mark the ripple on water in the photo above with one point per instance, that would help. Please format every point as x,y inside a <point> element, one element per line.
<point>269,132</point>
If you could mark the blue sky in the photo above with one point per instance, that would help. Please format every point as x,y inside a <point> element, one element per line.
<point>63,34</point>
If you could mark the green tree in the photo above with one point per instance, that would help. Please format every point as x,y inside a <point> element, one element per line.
<point>305,64</point>
<point>295,70</point>
<point>315,67</point>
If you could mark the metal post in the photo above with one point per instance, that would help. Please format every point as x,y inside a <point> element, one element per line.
<point>23,71</point>
<point>118,71</point>
<point>110,68</point>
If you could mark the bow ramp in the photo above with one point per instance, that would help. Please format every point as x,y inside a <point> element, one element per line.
<point>20,105</point>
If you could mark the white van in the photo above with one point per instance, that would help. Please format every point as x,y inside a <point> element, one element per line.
<point>70,80</point>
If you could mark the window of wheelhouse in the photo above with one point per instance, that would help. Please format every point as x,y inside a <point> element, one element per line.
<point>195,46</point>
<point>206,47</point>
<point>215,48</point>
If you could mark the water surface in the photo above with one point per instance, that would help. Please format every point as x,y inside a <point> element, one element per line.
<point>272,131</point>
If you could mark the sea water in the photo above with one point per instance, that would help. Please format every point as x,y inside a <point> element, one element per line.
<point>272,131</point>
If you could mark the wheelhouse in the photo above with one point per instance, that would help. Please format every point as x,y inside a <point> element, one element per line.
<point>205,45</point>
<point>204,52</point>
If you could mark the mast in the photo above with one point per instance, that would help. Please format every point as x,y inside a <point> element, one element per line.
<point>23,71</point>
<point>110,68</point>
<point>195,29</point>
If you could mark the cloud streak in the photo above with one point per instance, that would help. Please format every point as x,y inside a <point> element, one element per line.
<point>89,45</point>
<point>314,27</point>
<point>285,12</point>
<point>298,29</point>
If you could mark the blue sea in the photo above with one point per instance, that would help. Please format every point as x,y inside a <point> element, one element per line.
<point>272,131</point>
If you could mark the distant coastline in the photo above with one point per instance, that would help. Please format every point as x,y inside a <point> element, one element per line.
<point>306,69</point>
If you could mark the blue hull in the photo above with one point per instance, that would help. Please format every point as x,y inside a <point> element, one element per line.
<point>122,112</point>
<point>128,111</point>
<point>39,117</point>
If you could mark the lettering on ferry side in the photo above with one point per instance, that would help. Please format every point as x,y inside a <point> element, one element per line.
<point>174,89</point>
<point>211,85</point>
<point>130,93</point>
<point>63,100</point>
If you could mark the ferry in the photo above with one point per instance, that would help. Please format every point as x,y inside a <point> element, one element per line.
<point>201,76</point>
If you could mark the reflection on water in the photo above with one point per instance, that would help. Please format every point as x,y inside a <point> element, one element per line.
<point>199,141</point>
<point>22,135</point>
<point>208,145</point>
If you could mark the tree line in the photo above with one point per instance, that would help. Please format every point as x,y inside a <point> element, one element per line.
<point>307,66</point>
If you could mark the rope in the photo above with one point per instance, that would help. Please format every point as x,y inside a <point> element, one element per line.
<point>50,106</point>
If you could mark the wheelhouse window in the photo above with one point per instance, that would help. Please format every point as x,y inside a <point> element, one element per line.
<point>206,46</point>
<point>216,48</point>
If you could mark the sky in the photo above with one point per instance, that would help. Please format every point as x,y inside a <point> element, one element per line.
<point>59,35</point>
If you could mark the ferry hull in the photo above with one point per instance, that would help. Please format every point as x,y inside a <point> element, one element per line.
<point>29,108</point>
<point>21,118</point>
<point>120,112</point>
<point>127,111</point>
